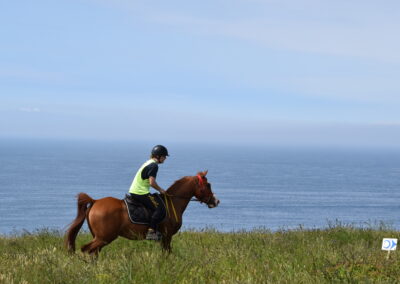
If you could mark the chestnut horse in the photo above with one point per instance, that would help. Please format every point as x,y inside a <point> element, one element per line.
<point>108,217</point>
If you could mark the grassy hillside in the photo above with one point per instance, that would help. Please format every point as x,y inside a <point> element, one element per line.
<point>340,254</point>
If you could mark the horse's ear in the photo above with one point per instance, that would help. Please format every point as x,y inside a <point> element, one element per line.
<point>203,174</point>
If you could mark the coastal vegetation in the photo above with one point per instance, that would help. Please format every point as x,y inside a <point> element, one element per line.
<point>336,254</point>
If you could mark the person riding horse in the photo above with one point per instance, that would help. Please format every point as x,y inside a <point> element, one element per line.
<point>108,218</point>
<point>140,189</point>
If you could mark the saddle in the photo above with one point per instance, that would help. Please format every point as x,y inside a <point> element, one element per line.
<point>138,213</point>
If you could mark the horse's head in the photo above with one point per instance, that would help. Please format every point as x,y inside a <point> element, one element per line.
<point>203,191</point>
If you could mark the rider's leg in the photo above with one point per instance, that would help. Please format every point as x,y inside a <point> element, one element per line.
<point>158,214</point>
<point>152,204</point>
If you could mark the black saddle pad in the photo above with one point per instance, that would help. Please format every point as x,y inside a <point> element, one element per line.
<point>138,213</point>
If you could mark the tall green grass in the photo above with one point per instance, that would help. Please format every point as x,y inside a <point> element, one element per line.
<point>338,254</point>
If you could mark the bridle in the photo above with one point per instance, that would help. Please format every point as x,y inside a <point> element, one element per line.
<point>168,198</point>
<point>202,188</point>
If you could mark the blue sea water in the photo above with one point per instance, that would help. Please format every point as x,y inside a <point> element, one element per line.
<point>269,187</point>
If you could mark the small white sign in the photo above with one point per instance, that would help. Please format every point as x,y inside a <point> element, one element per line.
<point>389,244</point>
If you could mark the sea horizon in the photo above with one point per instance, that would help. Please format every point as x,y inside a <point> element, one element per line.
<point>266,186</point>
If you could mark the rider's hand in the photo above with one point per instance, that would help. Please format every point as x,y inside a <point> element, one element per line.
<point>162,191</point>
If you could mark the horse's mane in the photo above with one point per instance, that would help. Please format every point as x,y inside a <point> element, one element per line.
<point>177,184</point>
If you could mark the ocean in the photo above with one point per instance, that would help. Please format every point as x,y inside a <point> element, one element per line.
<point>259,187</point>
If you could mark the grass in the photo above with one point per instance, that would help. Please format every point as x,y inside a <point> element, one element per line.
<point>338,254</point>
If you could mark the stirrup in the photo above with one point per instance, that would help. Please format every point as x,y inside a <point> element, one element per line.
<point>153,236</point>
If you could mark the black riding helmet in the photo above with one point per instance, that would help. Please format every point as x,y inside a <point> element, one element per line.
<point>159,150</point>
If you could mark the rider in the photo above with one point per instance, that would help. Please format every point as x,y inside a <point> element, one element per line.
<point>140,188</point>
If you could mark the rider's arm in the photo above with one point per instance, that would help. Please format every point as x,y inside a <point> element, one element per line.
<point>154,185</point>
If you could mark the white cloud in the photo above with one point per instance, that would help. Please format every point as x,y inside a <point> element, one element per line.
<point>378,43</point>
<point>366,29</point>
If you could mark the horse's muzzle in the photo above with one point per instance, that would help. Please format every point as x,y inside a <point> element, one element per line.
<point>213,202</point>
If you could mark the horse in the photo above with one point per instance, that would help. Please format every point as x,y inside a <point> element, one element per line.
<point>108,218</point>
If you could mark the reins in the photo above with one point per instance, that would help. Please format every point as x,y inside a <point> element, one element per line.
<point>168,198</point>
<point>201,183</point>
<point>182,197</point>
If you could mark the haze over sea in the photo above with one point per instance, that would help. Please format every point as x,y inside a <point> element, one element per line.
<point>271,187</point>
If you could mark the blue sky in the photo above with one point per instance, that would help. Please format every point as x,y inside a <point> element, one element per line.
<point>247,72</point>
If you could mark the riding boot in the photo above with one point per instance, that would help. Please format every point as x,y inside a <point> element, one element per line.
<point>153,235</point>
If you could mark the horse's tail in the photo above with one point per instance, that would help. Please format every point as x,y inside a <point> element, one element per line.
<point>83,201</point>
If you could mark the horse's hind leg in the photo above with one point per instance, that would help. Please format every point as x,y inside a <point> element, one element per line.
<point>94,247</point>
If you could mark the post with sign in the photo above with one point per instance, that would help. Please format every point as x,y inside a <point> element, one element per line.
<point>389,245</point>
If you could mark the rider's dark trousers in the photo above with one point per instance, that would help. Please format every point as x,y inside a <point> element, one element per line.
<point>154,204</point>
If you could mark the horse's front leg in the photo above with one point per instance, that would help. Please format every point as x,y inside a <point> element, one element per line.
<point>166,243</point>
